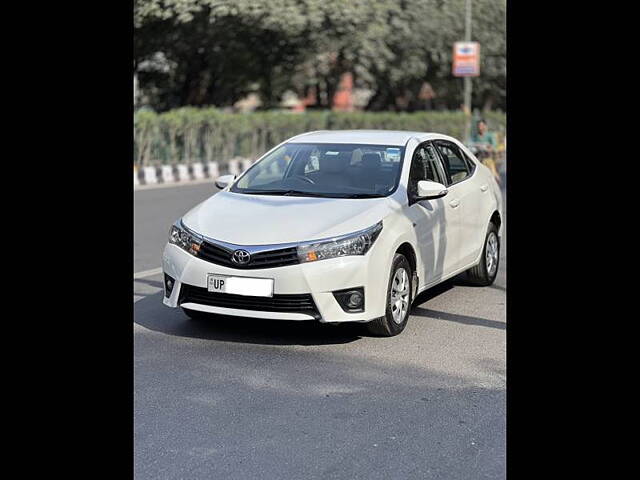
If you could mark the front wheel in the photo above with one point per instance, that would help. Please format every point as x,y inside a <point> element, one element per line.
<point>398,300</point>
<point>484,274</point>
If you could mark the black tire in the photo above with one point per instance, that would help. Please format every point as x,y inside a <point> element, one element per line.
<point>386,326</point>
<point>480,275</point>
<point>196,314</point>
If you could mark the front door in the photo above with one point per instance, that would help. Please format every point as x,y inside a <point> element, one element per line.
<point>433,220</point>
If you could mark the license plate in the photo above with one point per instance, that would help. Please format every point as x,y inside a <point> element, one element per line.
<point>257,287</point>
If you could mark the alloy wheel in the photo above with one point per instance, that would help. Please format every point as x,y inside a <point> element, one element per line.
<point>400,295</point>
<point>491,256</point>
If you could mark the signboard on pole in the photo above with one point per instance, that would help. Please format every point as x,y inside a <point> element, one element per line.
<point>466,59</point>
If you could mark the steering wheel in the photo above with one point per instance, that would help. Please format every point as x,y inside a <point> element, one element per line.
<point>306,179</point>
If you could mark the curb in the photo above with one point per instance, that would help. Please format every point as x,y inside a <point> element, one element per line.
<point>180,173</point>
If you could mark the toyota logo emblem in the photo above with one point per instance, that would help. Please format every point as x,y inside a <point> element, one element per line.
<point>241,257</point>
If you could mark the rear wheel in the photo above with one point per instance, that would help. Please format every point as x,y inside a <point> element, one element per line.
<point>485,272</point>
<point>398,300</point>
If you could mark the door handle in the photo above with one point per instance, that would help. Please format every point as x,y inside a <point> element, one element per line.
<point>454,203</point>
<point>484,187</point>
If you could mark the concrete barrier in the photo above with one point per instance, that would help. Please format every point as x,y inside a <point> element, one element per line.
<point>170,174</point>
<point>183,173</point>
<point>246,163</point>
<point>198,171</point>
<point>149,175</point>
<point>213,170</point>
<point>166,172</point>
<point>235,168</point>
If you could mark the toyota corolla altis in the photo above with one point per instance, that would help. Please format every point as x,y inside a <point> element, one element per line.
<point>337,226</point>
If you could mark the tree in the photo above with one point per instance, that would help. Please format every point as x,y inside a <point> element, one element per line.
<point>216,51</point>
<point>219,50</point>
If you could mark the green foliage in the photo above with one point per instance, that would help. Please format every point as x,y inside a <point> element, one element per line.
<point>217,51</point>
<point>191,134</point>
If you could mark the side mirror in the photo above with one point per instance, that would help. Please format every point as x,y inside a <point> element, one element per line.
<point>224,181</point>
<point>428,190</point>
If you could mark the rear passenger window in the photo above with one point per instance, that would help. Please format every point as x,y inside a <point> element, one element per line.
<point>454,163</point>
<point>470,165</point>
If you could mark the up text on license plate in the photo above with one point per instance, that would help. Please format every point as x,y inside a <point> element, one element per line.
<point>258,287</point>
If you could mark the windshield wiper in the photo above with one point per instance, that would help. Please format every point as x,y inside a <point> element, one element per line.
<point>303,193</point>
<point>264,192</point>
<point>363,195</point>
<point>285,193</point>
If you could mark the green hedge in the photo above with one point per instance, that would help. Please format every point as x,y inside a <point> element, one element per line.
<point>190,134</point>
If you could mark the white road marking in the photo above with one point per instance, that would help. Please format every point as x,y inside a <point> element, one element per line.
<point>147,273</point>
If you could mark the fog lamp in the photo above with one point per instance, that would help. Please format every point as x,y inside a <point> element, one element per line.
<point>169,282</point>
<point>355,300</point>
<point>351,299</point>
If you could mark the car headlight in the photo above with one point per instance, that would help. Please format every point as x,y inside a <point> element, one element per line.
<point>184,238</point>
<point>357,243</point>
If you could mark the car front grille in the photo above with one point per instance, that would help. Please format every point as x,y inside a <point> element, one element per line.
<point>289,303</point>
<point>273,258</point>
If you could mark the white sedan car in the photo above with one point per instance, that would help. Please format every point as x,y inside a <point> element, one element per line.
<point>337,226</point>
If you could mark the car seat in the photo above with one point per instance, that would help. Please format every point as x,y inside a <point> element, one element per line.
<point>369,174</point>
<point>332,170</point>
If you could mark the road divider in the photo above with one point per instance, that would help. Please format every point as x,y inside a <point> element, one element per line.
<point>167,173</point>
<point>197,171</point>
<point>149,176</point>
<point>234,166</point>
<point>187,172</point>
<point>212,170</point>
<point>246,164</point>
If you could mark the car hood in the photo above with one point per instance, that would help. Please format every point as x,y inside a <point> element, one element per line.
<point>266,219</point>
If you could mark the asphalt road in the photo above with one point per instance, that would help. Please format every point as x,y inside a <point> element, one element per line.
<point>243,399</point>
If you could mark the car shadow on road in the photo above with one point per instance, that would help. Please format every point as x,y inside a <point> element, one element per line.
<point>455,317</point>
<point>460,280</point>
<point>150,313</point>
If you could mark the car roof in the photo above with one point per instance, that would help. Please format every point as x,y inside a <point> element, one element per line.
<point>371,137</point>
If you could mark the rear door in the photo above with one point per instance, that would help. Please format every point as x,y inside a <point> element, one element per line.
<point>465,197</point>
<point>475,214</point>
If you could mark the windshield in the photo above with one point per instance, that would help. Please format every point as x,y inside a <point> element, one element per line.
<point>325,170</point>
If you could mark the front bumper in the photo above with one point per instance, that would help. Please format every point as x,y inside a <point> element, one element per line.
<point>320,279</point>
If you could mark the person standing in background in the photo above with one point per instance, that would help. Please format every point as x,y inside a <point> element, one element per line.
<point>485,144</point>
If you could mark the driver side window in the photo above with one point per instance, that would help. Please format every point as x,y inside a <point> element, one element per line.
<point>423,167</point>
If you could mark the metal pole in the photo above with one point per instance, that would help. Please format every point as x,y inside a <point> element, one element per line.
<point>467,80</point>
